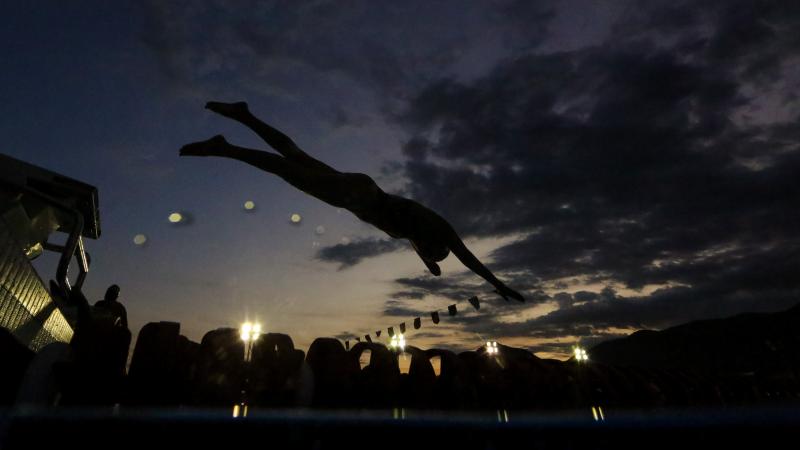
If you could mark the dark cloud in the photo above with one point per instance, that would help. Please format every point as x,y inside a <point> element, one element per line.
<point>664,156</point>
<point>353,252</point>
<point>750,37</point>
<point>454,287</point>
<point>428,334</point>
<point>411,294</point>
<point>345,336</point>
<point>330,46</point>
<point>401,309</point>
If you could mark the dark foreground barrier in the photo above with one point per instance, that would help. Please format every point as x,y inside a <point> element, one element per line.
<point>169,371</point>
<point>381,429</point>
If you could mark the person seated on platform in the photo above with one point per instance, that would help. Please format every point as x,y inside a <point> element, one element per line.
<point>109,306</point>
<point>432,236</point>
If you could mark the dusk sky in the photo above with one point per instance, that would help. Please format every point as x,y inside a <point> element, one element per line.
<point>624,165</point>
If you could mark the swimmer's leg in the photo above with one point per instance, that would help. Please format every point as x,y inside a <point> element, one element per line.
<point>331,187</point>
<point>218,146</point>
<point>280,142</point>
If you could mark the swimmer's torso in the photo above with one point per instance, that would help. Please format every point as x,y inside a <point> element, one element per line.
<point>358,193</point>
<point>351,191</point>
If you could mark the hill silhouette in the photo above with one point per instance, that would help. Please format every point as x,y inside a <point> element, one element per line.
<point>748,343</point>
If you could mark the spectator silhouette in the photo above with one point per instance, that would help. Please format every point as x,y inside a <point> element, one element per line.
<point>417,386</point>
<point>111,307</point>
<point>16,358</point>
<point>162,366</point>
<point>221,370</point>
<point>276,371</point>
<point>453,388</point>
<point>97,372</point>
<point>334,373</point>
<point>377,384</point>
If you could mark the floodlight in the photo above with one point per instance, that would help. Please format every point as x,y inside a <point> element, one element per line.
<point>398,342</point>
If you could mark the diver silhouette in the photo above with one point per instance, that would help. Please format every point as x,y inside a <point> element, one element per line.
<point>432,237</point>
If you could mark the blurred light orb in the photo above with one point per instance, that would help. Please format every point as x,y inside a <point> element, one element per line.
<point>175,217</point>
<point>249,205</point>
<point>139,239</point>
<point>320,230</point>
<point>295,218</point>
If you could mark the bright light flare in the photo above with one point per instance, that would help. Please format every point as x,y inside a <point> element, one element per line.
<point>491,348</point>
<point>250,331</point>
<point>398,342</point>
<point>249,205</point>
<point>581,355</point>
<point>295,218</point>
<point>175,217</point>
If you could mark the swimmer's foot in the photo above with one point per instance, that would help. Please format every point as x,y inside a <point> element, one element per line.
<point>236,110</point>
<point>216,146</point>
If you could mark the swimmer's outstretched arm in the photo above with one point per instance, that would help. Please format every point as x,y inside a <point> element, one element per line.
<point>466,257</point>
<point>432,266</point>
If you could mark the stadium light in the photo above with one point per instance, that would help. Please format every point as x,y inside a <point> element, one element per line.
<point>398,342</point>
<point>491,348</point>
<point>581,355</point>
<point>249,332</point>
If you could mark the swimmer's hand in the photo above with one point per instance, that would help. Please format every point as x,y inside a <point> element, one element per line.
<point>433,267</point>
<point>506,292</point>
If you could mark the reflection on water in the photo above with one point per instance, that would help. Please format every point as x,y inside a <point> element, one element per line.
<point>597,413</point>
<point>240,410</point>
<point>502,415</point>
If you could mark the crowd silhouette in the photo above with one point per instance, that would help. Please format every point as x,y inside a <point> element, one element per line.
<point>169,370</point>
